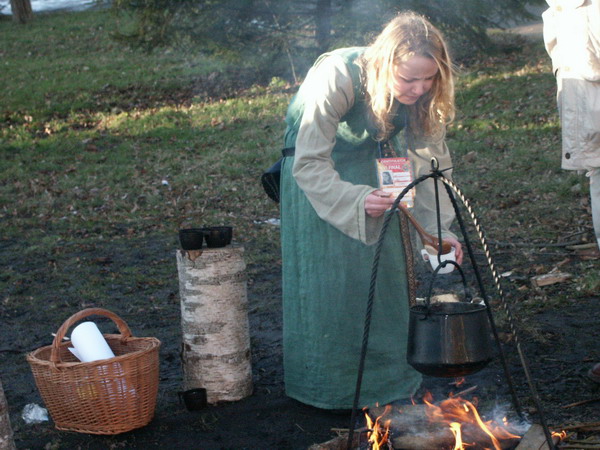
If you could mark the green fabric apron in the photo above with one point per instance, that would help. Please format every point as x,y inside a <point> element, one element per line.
<point>326,277</point>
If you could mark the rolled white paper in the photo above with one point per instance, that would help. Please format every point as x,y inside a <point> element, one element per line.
<point>89,343</point>
<point>72,350</point>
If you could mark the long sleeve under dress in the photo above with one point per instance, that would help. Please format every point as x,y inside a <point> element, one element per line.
<point>327,246</point>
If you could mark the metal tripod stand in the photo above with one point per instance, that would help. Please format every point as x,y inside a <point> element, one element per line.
<point>451,188</point>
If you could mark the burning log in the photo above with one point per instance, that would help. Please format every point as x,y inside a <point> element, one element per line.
<point>454,423</point>
<point>214,320</point>
<point>413,430</point>
<point>406,418</point>
<point>444,438</point>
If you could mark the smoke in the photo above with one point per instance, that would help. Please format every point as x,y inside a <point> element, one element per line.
<point>517,425</point>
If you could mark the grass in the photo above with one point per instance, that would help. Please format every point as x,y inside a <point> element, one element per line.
<point>74,65</point>
<point>508,136</point>
<point>102,142</point>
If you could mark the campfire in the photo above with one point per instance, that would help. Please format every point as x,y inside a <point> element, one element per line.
<point>453,424</point>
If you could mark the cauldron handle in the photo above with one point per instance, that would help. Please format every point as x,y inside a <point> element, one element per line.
<point>435,273</point>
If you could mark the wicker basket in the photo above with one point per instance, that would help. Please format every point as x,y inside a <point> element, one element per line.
<point>109,396</point>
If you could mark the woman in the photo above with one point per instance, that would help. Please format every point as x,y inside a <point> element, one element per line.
<point>352,100</point>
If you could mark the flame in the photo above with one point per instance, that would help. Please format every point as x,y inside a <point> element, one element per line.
<point>378,435</point>
<point>464,422</point>
<point>455,428</point>
<point>459,381</point>
<point>456,409</point>
<point>462,418</point>
<point>560,435</point>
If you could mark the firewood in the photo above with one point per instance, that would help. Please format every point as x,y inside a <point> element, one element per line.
<point>465,392</point>
<point>581,402</point>
<point>407,418</point>
<point>581,426</point>
<point>425,441</point>
<point>582,246</point>
<point>550,278</point>
<point>535,439</point>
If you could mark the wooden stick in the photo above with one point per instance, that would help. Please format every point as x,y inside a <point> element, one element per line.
<point>534,245</point>
<point>345,430</point>
<point>465,392</point>
<point>535,439</point>
<point>580,446</point>
<point>579,426</point>
<point>590,429</point>
<point>582,402</point>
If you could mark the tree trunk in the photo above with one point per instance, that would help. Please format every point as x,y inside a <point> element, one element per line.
<point>323,25</point>
<point>214,320</point>
<point>21,10</point>
<point>6,436</point>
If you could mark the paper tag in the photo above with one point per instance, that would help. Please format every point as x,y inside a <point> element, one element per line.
<point>394,175</point>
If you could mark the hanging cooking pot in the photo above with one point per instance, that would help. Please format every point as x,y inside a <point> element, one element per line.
<point>449,339</point>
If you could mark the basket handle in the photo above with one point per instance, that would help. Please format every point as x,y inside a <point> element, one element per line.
<point>62,331</point>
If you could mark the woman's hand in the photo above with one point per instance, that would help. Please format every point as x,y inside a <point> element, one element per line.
<point>457,248</point>
<point>377,203</point>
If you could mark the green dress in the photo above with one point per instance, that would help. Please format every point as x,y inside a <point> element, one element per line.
<point>326,272</point>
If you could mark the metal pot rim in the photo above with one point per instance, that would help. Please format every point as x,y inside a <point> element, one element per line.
<point>448,309</point>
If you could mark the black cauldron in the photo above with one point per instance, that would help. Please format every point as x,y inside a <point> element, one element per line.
<point>449,339</point>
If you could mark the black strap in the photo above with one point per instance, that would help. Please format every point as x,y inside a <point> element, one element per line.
<point>288,151</point>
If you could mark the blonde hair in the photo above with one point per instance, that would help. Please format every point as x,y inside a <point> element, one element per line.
<point>407,35</point>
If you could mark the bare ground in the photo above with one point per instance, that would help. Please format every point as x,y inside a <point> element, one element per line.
<point>560,343</point>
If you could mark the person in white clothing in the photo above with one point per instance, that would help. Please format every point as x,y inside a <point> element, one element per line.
<point>572,39</point>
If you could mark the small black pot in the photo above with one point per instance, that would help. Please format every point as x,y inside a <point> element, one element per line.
<point>191,238</point>
<point>194,399</point>
<point>218,236</point>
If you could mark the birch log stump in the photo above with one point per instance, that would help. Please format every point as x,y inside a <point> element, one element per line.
<point>214,320</point>
<point>6,436</point>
